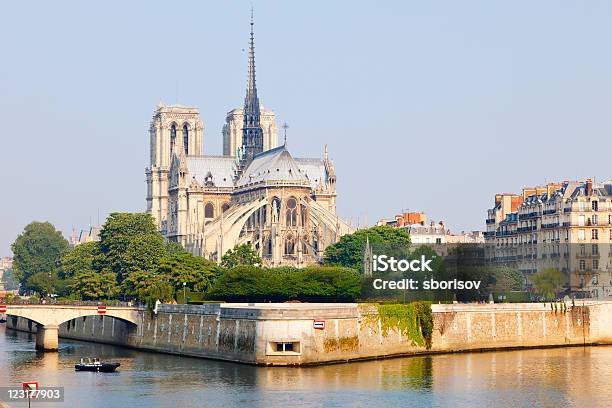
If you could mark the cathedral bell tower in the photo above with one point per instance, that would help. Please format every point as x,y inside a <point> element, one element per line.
<point>252,133</point>
<point>174,130</point>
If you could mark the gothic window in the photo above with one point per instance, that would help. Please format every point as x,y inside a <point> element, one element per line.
<point>209,210</point>
<point>304,215</point>
<point>225,207</point>
<point>267,247</point>
<point>289,245</point>
<point>276,205</point>
<point>186,139</point>
<point>291,212</point>
<point>172,138</point>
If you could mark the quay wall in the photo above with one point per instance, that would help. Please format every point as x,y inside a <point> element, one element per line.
<point>285,334</point>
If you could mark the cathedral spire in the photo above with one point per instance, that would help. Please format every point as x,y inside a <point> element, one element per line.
<point>251,85</point>
<point>252,133</point>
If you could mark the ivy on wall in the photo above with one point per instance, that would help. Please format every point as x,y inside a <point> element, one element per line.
<point>413,320</point>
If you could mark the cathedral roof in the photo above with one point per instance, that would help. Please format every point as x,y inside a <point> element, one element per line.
<point>314,170</point>
<point>219,167</point>
<point>272,165</point>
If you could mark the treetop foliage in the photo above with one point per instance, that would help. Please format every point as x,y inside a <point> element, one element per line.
<point>240,255</point>
<point>37,250</point>
<point>348,251</point>
<point>318,284</point>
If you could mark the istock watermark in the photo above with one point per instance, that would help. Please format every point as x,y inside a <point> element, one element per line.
<point>384,263</point>
<point>429,284</point>
<point>420,273</point>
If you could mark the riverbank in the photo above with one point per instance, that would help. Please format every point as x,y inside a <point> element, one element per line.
<point>312,334</point>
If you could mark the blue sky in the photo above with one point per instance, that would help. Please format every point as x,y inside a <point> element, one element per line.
<point>428,106</point>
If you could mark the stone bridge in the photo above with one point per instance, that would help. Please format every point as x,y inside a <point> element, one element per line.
<point>49,317</point>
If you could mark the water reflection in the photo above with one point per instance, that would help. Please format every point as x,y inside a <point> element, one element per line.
<point>551,377</point>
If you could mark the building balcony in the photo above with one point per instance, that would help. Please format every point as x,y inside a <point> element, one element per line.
<point>549,212</point>
<point>587,256</point>
<point>526,229</point>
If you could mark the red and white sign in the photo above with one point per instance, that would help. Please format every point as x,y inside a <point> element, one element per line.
<point>2,308</point>
<point>29,387</point>
<point>101,310</point>
<point>318,324</point>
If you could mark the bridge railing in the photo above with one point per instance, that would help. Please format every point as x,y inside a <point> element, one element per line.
<point>13,301</point>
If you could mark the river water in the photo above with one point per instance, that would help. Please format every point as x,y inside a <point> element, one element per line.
<point>562,377</point>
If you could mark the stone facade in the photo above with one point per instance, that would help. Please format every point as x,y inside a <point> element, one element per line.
<point>284,207</point>
<point>284,334</point>
<point>567,226</point>
<point>173,130</point>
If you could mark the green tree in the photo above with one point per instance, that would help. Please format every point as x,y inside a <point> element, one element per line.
<point>37,250</point>
<point>196,272</point>
<point>92,285</point>
<point>9,281</point>
<point>44,283</point>
<point>348,251</point>
<point>438,268</point>
<point>318,284</point>
<point>548,282</point>
<point>174,248</point>
<point>240,255</point>
<point>84,257</point>
<point>507,279</point>
<point>130,242</point>
<point>147,287</point>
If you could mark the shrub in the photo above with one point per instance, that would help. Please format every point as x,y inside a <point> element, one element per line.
<point>314,284</point>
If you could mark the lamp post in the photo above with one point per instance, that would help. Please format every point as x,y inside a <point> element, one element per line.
<point>184,296</point>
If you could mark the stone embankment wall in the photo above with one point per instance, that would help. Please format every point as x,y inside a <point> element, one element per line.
<point>285,334</point>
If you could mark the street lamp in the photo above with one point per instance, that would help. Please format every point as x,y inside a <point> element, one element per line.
<point>184,296</point>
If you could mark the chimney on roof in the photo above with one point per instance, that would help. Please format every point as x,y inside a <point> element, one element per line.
<point>589,187</point>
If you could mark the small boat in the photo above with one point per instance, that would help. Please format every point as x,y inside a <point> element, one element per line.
<point>96,365</point>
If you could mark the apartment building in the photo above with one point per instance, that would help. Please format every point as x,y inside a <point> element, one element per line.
<point>424,232</point>
<point>565,225</point>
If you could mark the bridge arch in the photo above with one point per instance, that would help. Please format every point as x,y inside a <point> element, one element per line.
<point>48,318</point>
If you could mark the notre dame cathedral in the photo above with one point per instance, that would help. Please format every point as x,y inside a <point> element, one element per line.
<point>256,192</point>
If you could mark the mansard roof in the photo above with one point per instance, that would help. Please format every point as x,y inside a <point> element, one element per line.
<point>272,165</point>
<point>219,167</point>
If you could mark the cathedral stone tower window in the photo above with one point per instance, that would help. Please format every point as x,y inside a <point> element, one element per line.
<point>289,245</point>
<point>291,218</point>
<point>186,139</point>
<point>172,138</point>
<point>268,247</point>
<point>225,207</point>
<point>209,210</point>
